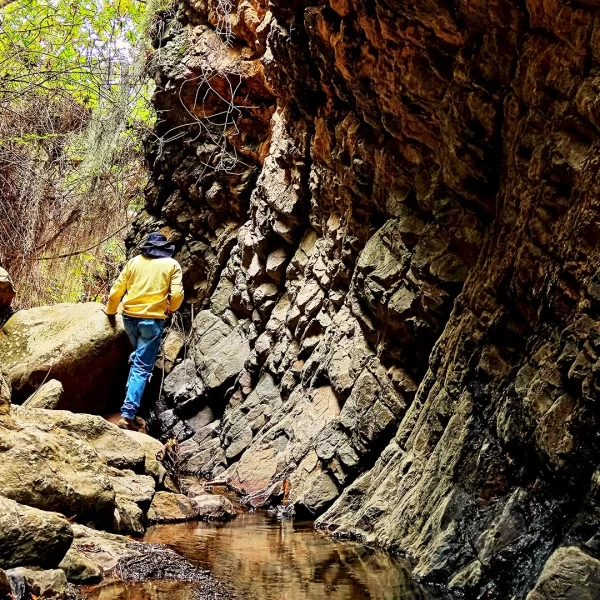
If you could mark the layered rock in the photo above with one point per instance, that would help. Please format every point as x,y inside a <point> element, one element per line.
<point>395,292</point>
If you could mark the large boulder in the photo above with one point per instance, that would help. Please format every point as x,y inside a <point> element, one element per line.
<point>176,508</point>
<point>52,469</point>
<point>77,344</point>
<point>113,445</point>
<point>32,537</point>
<point>7,290</point>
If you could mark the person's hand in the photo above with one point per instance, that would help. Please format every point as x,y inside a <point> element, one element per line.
<point>112,318</point>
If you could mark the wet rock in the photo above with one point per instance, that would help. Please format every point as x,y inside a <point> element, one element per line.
<point>171,508</point>
<point>7,289</point>
<point>212,507</point>
<point>43,584</point>
<point>47,396</point>
<point>569,574</point>
<point>76,344</point>
<point>79,569</point>
<point>320,495</point>
<point>102,549</point>
<point>31,536</point>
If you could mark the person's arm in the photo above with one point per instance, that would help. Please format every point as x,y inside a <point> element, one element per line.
<point>176,289</point>
<point>117,291</point>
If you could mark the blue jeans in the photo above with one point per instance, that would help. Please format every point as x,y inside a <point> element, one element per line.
<point>145,335</point>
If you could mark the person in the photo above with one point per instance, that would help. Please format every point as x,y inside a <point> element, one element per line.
<point>150,288</point>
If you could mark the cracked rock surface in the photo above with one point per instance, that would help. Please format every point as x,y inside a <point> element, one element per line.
<point>394,294</point>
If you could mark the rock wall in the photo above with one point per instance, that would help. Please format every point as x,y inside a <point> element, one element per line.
<point>388,222</point>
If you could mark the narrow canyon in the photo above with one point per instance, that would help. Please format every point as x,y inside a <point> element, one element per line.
<point>387,214</point>
<point>388,219</point>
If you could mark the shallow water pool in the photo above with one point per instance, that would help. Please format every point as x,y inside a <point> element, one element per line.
<point>262,558</point>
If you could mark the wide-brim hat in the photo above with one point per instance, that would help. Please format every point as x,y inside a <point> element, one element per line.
<point>157,246</point>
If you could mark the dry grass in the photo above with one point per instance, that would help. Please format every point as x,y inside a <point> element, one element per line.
<point>54,202</point>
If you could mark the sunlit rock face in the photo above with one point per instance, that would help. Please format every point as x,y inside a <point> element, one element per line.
<point>391,264</point>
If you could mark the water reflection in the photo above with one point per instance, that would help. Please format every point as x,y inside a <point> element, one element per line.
<point>146,590</point>
<point>264,559</point>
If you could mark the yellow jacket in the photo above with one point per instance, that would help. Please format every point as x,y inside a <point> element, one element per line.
<point>149,287</point>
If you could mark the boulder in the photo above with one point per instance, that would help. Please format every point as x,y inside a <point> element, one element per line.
<point>31,536</point>
<point>47,396</point>
<point>76,344</point>
<point>213,507</point>
<point>113,445</point>
<point>43,584</point>
<point>7,289</point>
<point>172,508</point>
<point>104,550</point>
<point>80,569</point>
<point>569,574</point>
<point>53,469</point>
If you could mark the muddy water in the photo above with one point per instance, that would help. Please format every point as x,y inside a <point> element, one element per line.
<point>264,559</point>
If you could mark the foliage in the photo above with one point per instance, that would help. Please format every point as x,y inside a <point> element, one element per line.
<point>81,48</point>
<point>73,111</point>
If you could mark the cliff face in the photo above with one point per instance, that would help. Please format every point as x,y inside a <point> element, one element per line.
<point>387,215</point>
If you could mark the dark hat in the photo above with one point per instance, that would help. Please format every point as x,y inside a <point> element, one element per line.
<point>157,246</point>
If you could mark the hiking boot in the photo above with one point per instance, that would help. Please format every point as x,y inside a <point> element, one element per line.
<point>141,425</point>
<point>129,424</point>
<point>137,424</point>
